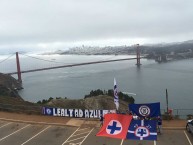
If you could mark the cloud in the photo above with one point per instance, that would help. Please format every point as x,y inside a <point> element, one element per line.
<point>70,22</point>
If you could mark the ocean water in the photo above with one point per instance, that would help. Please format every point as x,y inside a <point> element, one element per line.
<point>149,82</point>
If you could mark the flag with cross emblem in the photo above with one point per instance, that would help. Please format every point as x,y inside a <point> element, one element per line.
<point>115,126</point>
<point>142,130</point>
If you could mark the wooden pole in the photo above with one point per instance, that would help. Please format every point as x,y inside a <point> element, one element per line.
<point>167,100</point>
<point>167,104</point>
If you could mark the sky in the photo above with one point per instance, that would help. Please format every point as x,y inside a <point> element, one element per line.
<point>59,24</point>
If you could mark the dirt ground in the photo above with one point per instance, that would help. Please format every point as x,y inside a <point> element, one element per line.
<point>33,118</point>
<point>177,124</point>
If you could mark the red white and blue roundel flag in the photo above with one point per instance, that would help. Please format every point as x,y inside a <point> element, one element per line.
<point>115,126</point>
<point>142,130</point>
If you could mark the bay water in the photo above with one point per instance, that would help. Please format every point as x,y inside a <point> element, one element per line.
<point>148,82</point>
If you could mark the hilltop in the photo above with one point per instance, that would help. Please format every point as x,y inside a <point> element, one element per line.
<point>101,102</point>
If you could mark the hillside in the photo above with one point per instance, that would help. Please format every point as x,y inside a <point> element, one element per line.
<point>12,102</point>
<point>96,102</point>
<point>9,86</point>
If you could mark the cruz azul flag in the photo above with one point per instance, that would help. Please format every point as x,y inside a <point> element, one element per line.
<point>116,97</point>
<point>142,130</point>
<point>145,110</point>
<point>115,126</point>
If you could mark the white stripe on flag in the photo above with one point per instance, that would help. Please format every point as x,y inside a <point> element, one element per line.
<point>153,133</point>
<point>142,122</point>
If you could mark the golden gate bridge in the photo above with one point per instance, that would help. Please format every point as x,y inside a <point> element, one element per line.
<point>19,71</point>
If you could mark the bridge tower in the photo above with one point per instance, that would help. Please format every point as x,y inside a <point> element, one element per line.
<point>138,55</point>
<point>18,67</point>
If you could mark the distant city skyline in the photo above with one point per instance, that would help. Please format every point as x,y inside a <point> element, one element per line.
<point>51,25</point>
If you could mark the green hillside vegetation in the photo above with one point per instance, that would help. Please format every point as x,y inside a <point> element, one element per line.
<point>94,93</point>
<point>122,96</point>
<point>97,99</point>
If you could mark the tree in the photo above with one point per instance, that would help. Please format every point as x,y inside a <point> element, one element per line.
<point>110,92</point>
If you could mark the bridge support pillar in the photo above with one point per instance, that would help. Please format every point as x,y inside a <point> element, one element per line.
<point>138,55</point>
<point>18,67</point>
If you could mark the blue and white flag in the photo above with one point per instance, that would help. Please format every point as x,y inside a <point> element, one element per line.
<point>116,97</point>
<point>145,110</point>
<point>142,130</point>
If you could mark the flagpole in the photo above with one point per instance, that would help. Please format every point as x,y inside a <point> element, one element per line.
<point>121,142</point>
<point>167,101</point>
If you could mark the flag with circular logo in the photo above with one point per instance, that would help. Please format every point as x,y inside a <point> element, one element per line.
<point>115,126</point>
<point>142,130</point>
<point>47,111</point>
<point>145,110</point>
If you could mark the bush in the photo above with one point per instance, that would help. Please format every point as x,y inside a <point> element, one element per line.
<point>121,95</point>
<point>189,116</point>
<point>45,101</point>
<point>167,116</point>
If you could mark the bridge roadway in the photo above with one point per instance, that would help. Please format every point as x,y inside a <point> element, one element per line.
<point>77,132</point>
<point>72,65</point>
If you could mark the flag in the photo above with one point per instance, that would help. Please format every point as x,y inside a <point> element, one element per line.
<point>145,110</point>
<point>116,97</point>
<point>115,126</point>
<point>142,130</point>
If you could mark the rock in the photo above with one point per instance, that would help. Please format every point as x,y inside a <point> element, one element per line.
<point>9,86</point>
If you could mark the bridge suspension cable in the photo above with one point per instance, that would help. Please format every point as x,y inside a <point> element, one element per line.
<point>40,58</point>
<point>72,65</point>
<point>63,65</point>
<point>106,59</point>
<point>7,58</point>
